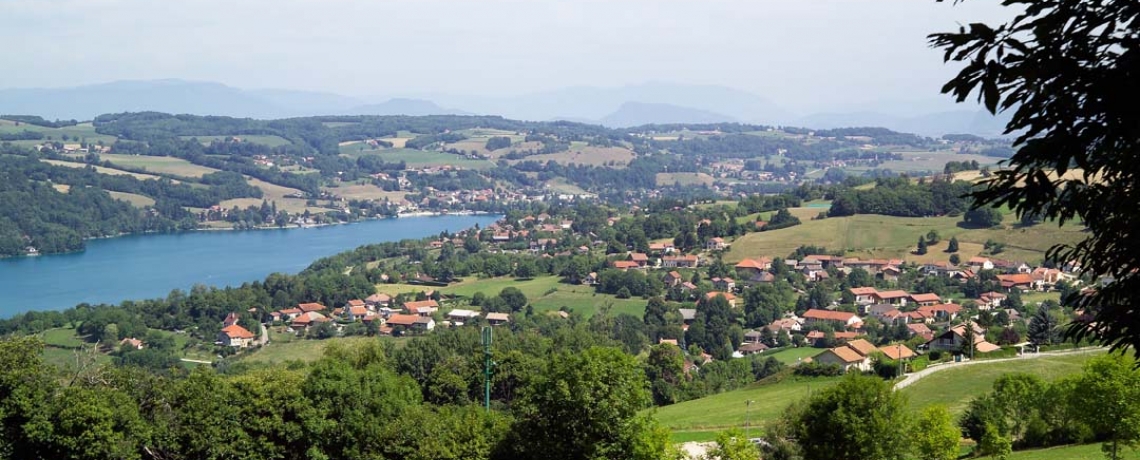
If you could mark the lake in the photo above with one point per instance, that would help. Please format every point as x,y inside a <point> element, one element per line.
<point>147,266</point>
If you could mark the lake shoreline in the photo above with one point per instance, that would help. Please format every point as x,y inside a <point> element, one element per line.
<point>274,227</point>
<point>117,269</point>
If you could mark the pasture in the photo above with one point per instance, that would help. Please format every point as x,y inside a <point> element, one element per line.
<point>80,132</point>
<point>365,192</point>
<point>103,169</point>
<point>419,158</point>
<point>594,156</point>
<point>158,165</point>
<point>918,161</point>
<point>273,193</point>
<point>684,179</point>
<point>877,236</point>
<point>548,294</point>
<point>138,201</point>
<point>267,140</point>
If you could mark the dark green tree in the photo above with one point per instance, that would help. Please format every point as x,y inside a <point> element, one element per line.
<point>587,406</point>
<point>870,414</point>
<point>1066,70</point>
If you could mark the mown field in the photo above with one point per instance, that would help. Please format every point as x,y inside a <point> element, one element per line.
<point>416,158</point>
<point>273,193</point>
<point>548,294</point>
<point>102,170</point>
<point>158,165</point>
<point>75,134</point>
<point>139,201</point>
<point>925,161</point>
<point>365,192</point>
<point>878,236</point>
<point>594,156</point>
<point>684,179</point>
<point>269,140</point>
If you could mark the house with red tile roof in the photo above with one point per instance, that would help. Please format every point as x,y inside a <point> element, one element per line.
<point>752,269</point>
<point>835,318</point>
<point>624,265</point>
<point>685,261</point>
<point>941,312</point>
<point>715,244</point>
<point>1018,281</point>
<point>131,342</point>
<point>421,307</point>
<point>920,329</point>
<point>304,320</point>
<point>378,300</point>
<point>898,298</point>
<point>727,296</point>
<point>925,299</point>
<point>642,259</point>
<point>673,279</point>
<point>308,307</point>
<point>864,295</point>
<point>853,355</point>
<point>235,336</point>
<point>990,300</point>
<point>231,319</point>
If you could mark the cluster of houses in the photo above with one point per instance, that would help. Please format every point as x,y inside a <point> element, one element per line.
<point>412,315</point>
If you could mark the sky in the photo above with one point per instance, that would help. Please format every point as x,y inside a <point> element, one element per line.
<point>803,54</point>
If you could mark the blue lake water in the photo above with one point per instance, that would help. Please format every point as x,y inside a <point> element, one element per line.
<point>148,266</point>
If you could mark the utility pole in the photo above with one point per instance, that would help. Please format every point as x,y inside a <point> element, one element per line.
<point>898,347</point>
<point>748,419</point>
<point>488,364</point>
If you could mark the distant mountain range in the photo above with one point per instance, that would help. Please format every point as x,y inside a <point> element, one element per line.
<point>615,107</point>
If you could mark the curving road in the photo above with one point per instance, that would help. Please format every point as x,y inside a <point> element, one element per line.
<point>916,376</point>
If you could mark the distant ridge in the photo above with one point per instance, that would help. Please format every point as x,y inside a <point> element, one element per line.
<point>623,106</point>
<point>642,113</point>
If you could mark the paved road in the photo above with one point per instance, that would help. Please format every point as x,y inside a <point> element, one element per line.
<point>914,377</point>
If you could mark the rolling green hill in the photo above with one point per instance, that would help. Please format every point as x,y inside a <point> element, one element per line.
<point>878,236</point>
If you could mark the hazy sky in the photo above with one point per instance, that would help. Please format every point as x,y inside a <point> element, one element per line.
<point>799,53</point>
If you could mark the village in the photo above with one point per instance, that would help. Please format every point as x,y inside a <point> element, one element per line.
<point>903,324</point>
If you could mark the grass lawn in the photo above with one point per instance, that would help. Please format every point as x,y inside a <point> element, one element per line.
<point>62,337</point>
<point>158,165</point>
<point>877,236</point>
<point>270,140</point>
<point>726,410</point>
<point>792,355</point>
<point>547,293</point>
<point>955,387</point>
<point>1083,452</point>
